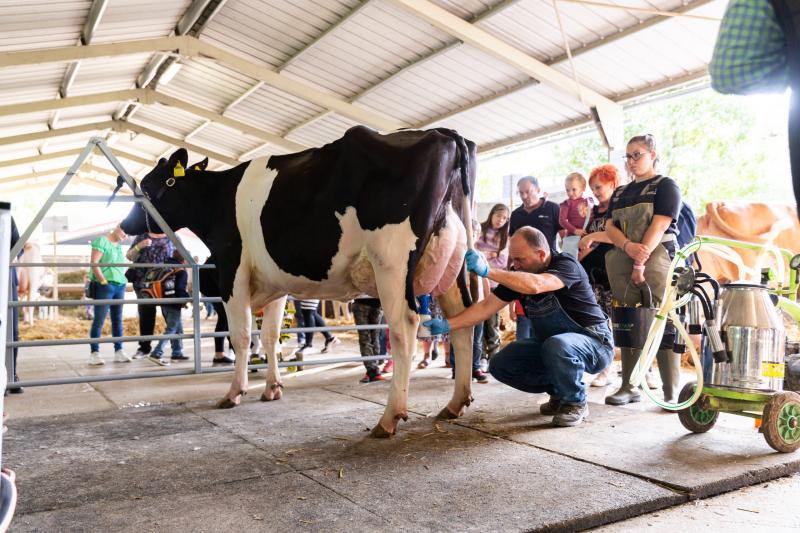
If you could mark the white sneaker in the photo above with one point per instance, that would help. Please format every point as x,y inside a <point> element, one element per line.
<point>651,380</point>
<point>121,357</point>
<point>95,359</point>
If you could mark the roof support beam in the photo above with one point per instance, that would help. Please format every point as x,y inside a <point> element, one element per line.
<point>190,16</point>
<point>120,126</point>
<point>282,67</point>
<point>605,40</point>
<point>638,9</point>
<point>75,53</point>
<point>490,12</point>
<point>488,43</point>
<point>297,88</point>
<point>136,128</point>
<point>587,119</point>
<point>192,47</point>
<point>58,132</point>
<point>147,97</point>
<point>50,172</point>
<point>71,153</point>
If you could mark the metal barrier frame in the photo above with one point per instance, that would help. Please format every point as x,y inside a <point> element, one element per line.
<point>195,298</point>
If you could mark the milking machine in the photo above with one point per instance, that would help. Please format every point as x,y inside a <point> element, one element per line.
<point>744,342</point>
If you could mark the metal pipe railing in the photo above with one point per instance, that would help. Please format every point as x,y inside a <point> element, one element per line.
<point>160,373</point>
<point>203,335</point>
<point>57,196</point>
<point>196,334</point>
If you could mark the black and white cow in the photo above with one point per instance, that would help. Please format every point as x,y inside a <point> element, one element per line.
<point>378,214</point>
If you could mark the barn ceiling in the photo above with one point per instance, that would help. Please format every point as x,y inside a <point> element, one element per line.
<point>238,79</point>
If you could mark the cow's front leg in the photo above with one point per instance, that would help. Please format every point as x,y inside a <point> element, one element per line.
<point>270,332</point>
<point>403,324</point>
<point>461,339</point>
<point>239,320</point>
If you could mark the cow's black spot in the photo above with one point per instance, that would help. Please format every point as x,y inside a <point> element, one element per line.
<point>387,179</point>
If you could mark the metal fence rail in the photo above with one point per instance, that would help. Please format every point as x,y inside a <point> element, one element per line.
<point>195,299</point>
<point>195,335</point>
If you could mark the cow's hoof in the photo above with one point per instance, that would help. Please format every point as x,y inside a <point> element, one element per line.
<point>446,414</point>
<point>378,432</point>
<point>273,392</point>
<point>226,403</point>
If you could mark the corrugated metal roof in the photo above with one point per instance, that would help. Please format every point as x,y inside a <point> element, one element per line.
<point>374,54</point>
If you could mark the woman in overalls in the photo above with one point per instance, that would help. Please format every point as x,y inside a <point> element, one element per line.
<point>644,214</point>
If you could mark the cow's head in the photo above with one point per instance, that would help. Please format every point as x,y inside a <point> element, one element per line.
<point>167,187</point>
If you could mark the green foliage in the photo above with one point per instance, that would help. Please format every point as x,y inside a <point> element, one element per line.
<point>716,147</point>
<point>579,154</point>
<point>712,146</point>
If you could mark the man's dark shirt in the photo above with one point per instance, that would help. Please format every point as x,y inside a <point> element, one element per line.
<point>544,218</point>
<point>576,296</point>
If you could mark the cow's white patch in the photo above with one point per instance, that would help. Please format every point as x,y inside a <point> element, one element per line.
<point>251,196</point>
<point>359,251</point>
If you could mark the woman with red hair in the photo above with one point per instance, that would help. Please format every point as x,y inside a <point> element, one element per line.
<point>594,245</point>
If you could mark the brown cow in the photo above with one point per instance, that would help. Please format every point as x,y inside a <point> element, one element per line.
<point>747,221</point>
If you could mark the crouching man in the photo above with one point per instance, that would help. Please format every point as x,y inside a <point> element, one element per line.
<point>570,331</point>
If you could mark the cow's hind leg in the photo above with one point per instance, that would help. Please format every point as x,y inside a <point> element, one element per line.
<point>403,324</point>
<point>270,331</point>
<point>239,321</point>
<point>461,339</point>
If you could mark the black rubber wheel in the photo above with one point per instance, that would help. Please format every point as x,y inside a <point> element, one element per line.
<point>781,422</point>
<point>694,418</point>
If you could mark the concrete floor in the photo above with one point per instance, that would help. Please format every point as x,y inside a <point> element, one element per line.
<point>155,454</point>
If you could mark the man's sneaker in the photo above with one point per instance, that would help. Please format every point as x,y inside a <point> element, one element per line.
<point>480,376</point>
<point>162,361</point>
<point>571,414</point>
<point>121,357</point>
<point>140,354</point>
<point>224,360</point>
<point>388,368</point>
<point>95,359</point>
<point>179,357</point>
<point>328,342</point>
<point>370,379</point>
<point>256,359</point>
<point>551,407</point>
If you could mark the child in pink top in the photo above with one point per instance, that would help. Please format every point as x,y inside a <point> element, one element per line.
<point>575,210</point>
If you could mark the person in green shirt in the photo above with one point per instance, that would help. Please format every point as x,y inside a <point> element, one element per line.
<point>758,51</point>
<point>108,283</point>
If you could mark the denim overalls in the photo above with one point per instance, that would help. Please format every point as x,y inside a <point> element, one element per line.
<point>554,359</point>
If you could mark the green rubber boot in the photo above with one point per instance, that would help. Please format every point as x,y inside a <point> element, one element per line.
<point>627,393</point>
<point>669,367</point>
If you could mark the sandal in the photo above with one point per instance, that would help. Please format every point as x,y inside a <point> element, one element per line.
<point>423,364</point>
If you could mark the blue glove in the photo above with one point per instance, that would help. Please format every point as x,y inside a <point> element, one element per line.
<point>438,326</point>
<point>476,263</point>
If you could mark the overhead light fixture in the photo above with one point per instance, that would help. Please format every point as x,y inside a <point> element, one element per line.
<point>170,72</point>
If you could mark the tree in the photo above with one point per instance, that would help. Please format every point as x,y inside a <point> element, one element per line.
<point>716,147</point>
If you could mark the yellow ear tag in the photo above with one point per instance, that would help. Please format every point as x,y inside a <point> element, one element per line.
<point>196,167</point>
<point>178,170</point>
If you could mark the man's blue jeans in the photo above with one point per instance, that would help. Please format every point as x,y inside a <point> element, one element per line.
<point>555,366</point>
<point>111,291</point>
<point>172,315</point>
<point>477,348</point>
<point>524,327</point>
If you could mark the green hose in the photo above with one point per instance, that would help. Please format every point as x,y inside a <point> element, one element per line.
<point>669,305</point>
<point>656,332</point>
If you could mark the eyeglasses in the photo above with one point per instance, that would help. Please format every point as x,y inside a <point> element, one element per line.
<point>634,156</point>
